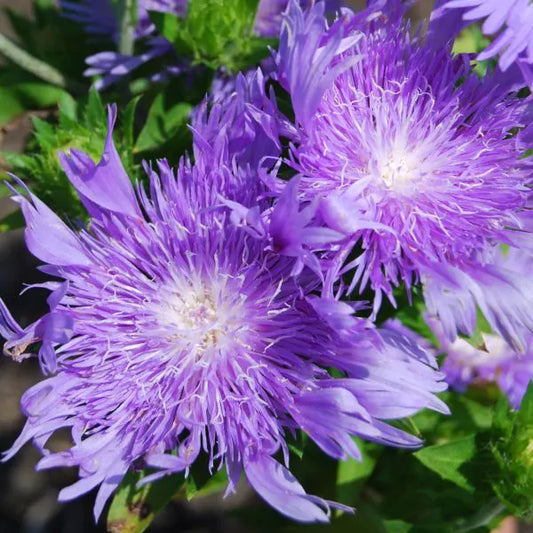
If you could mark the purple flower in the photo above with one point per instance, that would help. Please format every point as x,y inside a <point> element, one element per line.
<point>494,362</point>
<point>186,336</point>
<point>511,22</point>
<point>240,115</point>
<point>412,158</point>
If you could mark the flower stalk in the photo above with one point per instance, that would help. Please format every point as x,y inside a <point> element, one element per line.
<point>35,66</point>
<point>127,10</point>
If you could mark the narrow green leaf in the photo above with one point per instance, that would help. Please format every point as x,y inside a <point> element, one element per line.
<point>525,413</point>
<point>128,121</point>
<point>95,114</point>
<point>447,460</point>
<point>44,131</point>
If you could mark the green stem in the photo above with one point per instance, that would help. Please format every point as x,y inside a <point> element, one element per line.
<point>128,21</point>
<point>482,517</point>
<point>39,68</point>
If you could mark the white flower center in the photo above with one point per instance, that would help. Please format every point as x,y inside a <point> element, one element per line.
<point>199,316</point>
<point>400,170</point>
<point>192,310</point>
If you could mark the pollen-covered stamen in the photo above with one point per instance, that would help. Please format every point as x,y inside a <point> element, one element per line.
<point>200,314</point>
<point>400,171</point>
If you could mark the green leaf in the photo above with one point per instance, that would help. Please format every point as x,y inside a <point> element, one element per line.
<point>128,121</point>
<point>525,414</point>
<point>167,24</point>
<point>10,105</point>
<point>470,41</point>
<point>83,129</point>
<point>20,92</point>
<point>297,445</point>
<point>163,122</point>
<point>12,221</point>
<point>397,526</point>
<point>134,508</point>
<point>44,132</point>
<point>447,459</point>
<point>351,474</point>
<point>194,487</point>
<point>95,113</point>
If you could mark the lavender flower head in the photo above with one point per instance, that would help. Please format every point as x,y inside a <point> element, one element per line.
<point>174,333</point>
<point>410,156</point>
<point>510,22</point>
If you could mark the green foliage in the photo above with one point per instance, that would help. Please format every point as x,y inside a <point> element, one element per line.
<point>50,38</point>
<point>352,474</point>
<point>20,91</point>
<point>133,508</point>
<point>164,122</point>
<point>470,414</point>
<point>397,526</point>
<point>512,448</point>
<point>198,483</point>
<point>216,33</point>
<point>84,130</point>
<point>470,41</point>
<point>448,459</point>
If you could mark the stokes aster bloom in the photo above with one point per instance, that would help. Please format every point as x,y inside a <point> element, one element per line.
<point>410,156</point>
<point>174,332</point>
